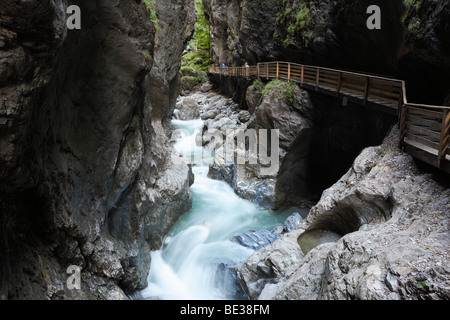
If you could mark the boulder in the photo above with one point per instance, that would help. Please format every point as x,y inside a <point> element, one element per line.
<point>292,222</point>
<point>244,116</point>
<point>188,109</point>
<point>255,239</point>
<point>380,231</point>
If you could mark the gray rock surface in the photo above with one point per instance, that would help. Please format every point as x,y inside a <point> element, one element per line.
<point>401,254</point>
<point>255,239</point>
<point>87,174</point>
<point>412,43</point>
<point>188,109</point>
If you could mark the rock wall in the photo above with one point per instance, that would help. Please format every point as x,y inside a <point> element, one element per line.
<point>388,232</point>
<point>87,174</point>
<point>412,43</point>
<point>319,139</point>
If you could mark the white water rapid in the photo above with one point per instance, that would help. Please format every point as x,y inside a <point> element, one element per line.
<point>197,256</point>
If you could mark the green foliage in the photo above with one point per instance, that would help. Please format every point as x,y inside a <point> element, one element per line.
<point>258,85</point>
<point>147,55</point>
<point>416,4</point>
<point>199,57</point>
<point>287,89</point>
<point>188,82</point>
<point>197,60</point>
<point>201,40</point>
<point>293,19</point>
<point>411,17</point>
<point>423,285</point>
<point>153,15</point>
<point>303,17</point>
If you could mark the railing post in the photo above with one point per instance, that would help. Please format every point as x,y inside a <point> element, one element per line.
<point>303,74</point>
<point>289,72</point>
<point>443,145</point>
<point>257,71</point>
<point>317,78</point>
<point>403,125</point>
<point>278,69</point>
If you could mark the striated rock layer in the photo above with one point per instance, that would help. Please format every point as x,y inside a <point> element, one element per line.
<point>87,174</point>
<point>388,226</point>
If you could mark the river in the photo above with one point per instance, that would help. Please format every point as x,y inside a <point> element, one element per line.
<point>197,258</point>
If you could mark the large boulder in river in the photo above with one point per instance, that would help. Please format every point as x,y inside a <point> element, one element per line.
<point>188,109</point>
<point>286,107</point>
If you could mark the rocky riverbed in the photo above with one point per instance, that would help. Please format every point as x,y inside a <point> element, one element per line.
<point>380,232</point>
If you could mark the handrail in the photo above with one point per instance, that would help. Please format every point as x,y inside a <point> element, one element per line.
<point>425,127</point>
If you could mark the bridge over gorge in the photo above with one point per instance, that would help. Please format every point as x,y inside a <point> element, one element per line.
<point>424,129</point>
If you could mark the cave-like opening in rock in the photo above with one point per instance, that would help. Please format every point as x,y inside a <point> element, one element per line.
<point>346,217</point>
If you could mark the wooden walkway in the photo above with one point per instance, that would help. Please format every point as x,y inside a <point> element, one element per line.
<point>424,129</point>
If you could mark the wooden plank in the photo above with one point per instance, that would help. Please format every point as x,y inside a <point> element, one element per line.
<point>339,84</point>
<point>381,98</point>
<point>424,131</point>
<point>329,72</point>
<point>444,138</point>
<point>422,140</point>
<point>329,83</point>
<point>354,83</point>
<point>426,106</point>
<point>385,87</point>
<point>422,121</point>
<point>424,112</point>
<point>349,86</point>
<point>389,83</point>
<point>353,91</point>
<point>366,90</point>
<point>388,94</point>
<point>329,76</point>
<point>309,78</point>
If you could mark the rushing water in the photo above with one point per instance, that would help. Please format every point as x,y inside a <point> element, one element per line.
<point>197,255</point>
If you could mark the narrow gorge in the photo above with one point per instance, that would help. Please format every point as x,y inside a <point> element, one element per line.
<point>114,152</point>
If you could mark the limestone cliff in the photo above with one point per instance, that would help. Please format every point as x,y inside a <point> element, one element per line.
<point>380,232</point>
<point>87,174</point>
<point>412,43</point>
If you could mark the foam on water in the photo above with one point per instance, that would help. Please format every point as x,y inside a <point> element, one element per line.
<point>198,246</point>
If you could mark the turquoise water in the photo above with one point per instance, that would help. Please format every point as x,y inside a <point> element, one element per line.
<point>190,264</point>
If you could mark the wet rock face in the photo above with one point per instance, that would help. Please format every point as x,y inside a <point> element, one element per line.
<point>241,30</point>
<point>175,24</point>
<point>83,146</point>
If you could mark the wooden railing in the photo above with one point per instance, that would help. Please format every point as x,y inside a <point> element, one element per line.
<point>366,88</point>
<point>424,129</point>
